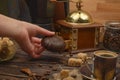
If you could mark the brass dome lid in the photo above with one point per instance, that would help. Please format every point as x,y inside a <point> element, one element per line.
<point>79,17</point>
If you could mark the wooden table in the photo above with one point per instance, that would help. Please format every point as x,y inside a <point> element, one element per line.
<point>44,66</point>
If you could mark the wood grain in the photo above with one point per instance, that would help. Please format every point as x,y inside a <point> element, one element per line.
<point>101,10</point>
<point>112,1</point>
<point>108,7</point>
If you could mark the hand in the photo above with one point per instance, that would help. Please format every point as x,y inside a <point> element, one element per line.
<point>25,36</point>
<point>24,33</point>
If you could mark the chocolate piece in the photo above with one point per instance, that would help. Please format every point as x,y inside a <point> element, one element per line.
<point>27,71</point>
<point>53,43</point>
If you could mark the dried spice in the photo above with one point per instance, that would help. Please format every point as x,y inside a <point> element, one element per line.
<point>53,43</point>
<point>27,71</point>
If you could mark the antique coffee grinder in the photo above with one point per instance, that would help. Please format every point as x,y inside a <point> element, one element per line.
<point>78,30</point>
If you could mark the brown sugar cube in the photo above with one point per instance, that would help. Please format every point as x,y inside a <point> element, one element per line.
<point>74,62</point>
<point>69,78</point>
<point>71,61</point>
<point>64,73</point>
<point>82,56</point>
<point>78,62</point>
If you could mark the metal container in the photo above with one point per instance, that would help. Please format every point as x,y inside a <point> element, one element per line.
<point>111,40</point>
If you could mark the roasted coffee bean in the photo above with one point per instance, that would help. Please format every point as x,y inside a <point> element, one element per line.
<point>53,43</point>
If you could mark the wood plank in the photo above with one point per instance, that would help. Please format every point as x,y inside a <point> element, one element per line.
<point>108,7</point>
<point>102,15</point>
<point>112,1</point>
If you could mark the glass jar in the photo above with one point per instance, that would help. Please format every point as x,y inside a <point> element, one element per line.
<point>111,39</point>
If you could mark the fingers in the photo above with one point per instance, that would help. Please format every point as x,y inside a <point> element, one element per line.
<point>31,44</point>
<point>38,49</point>
<point>35,46</point>
<point>36,40</point>
<point>37,52</point>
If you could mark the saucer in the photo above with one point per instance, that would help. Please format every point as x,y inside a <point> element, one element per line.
<point>86,72</point>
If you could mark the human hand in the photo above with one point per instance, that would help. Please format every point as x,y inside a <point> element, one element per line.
<point>25,36</point>
<point>24,33</point>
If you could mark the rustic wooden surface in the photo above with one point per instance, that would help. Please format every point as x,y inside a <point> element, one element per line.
<point>47,63</point>
<point>12,68</point>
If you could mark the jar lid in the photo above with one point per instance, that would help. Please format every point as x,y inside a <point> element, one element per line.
<point>113,24</point>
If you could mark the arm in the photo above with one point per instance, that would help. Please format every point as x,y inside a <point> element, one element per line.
<point>24,33</point>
